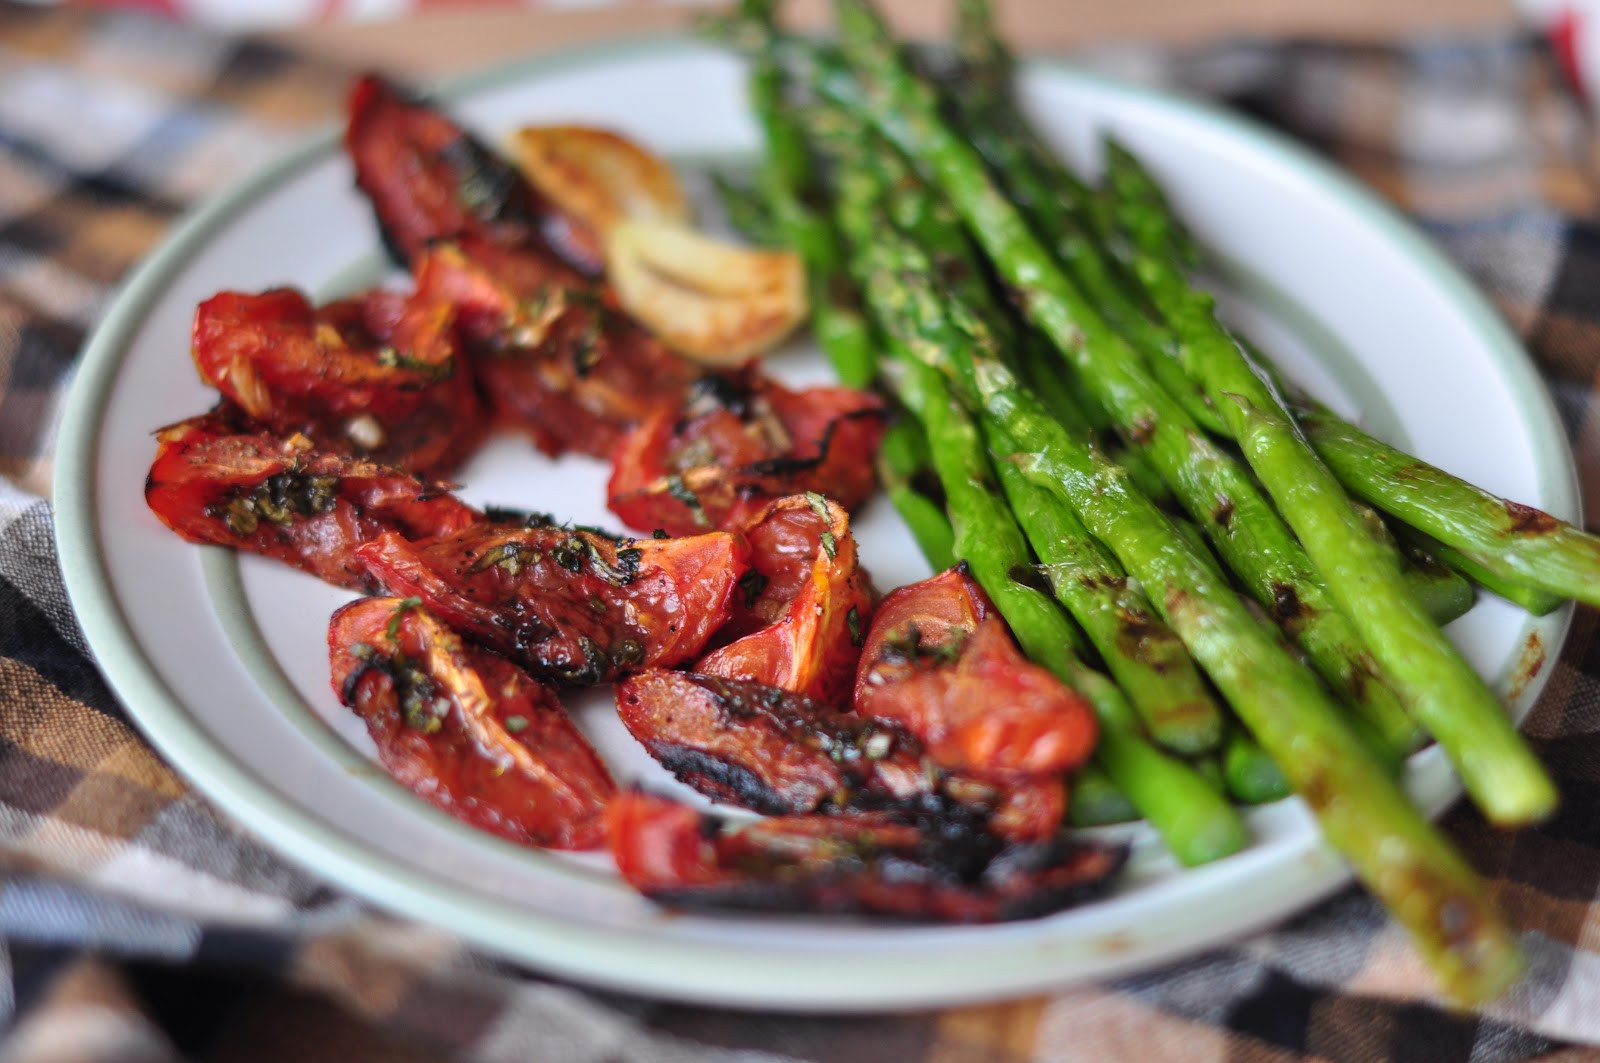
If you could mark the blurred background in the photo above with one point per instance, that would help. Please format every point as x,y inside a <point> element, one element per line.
<point>447,35</point>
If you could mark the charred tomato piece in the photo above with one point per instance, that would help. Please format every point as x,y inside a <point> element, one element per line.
<point>375,375</point>
<point>429,179</point>
<point>568,604</point>
<point>941,663</point>
<point>685,858</point>
<point>552,357</point>
<point>465,729</point>
<point>740,441</point>
<point>807,600</point>
<point>211,482</point>
<point>773,751</point>
<point>754,745</point>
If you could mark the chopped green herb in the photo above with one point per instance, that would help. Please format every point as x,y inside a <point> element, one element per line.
<point>278,499</point>
<point>681,493</point>
<point>400,610</point>
<point>512,555</point>
<point>391,358</point>
<point>570,553</point>
<point>629,651</point>
<point>751,584</point>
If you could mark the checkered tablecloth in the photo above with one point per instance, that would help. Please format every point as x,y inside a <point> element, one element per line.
<point>140,924</point>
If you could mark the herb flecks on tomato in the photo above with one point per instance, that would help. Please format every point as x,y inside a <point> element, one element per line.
<point>465,729</point>
<point>569,605</point>
<point>799,624</point>
<point>940,662</point>
<point>554,359</point>
<point>740,441</point>
<point>213,481</point>
<point>754,745</point>
<point>376,375</point>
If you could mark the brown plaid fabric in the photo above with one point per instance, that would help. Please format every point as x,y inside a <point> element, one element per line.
<point>136,923</point>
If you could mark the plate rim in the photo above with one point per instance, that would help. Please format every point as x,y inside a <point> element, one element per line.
<point>598,955</point>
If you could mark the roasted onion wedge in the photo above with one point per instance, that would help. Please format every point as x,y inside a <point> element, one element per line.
<point>599,177</point>
<point>714,302</point>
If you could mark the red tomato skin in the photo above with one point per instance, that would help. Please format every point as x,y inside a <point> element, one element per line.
<point>740,441</point>
<point>819,603</point>
<point>762,748</point>
<point>766,749</point>
<point>940,662</point>
<point>426,177</point>
<point>846,864</point>
<point>206,465</point>
<point>570,606</point>
<point>482,740</point>
<point>322,372</point>
<point>554,359</point>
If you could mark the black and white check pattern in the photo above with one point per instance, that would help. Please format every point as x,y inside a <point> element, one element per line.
<point>139,924</point>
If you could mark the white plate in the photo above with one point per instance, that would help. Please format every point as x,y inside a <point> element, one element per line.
<point>222,660</point>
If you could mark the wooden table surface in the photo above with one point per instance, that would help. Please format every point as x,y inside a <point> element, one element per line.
<point>446,39</point>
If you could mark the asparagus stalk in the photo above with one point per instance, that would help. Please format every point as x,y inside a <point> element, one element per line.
<point>1536,601</point>
<point>1362,809</point>
<point>1361,575</point>
<point>1055,201</point>
<point>786,180</point>
<point>1428,887</point>
<point>1142,654</point>
<point>1511,544</point>
<point>1195,823</point>
<point>1069,215</point>
<point>1218,492</point>
<point>1443,592</point>
<point>903,466</point>
<point>1097,801</point>
<point>746,210</point>
<point>1250,775</point>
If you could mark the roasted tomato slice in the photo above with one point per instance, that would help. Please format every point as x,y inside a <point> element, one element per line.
<point>554,360</point>
<point>465,729</point>
<point>568,604</point>
<point>941,663</point>
<point>213,483</point>
<point>429,179</point>
<point>759,747</point>
<point>686,858</point>
<point>767,749</point>
<point>809,595</point>
<point>740,441</point>
<point>375,375</point>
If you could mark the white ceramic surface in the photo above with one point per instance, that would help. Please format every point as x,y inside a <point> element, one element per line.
<point>222,660</point>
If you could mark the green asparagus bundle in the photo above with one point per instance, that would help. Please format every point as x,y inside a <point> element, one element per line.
<point>1196,824</point>
<point>1115,336</point>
